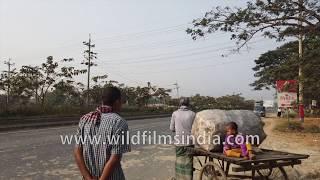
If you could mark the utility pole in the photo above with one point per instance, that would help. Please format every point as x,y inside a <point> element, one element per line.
<point>89,55</point>
<point>9,64</point>
<point>177,88</point>
<point>301,106</point>
<point>300,75</point>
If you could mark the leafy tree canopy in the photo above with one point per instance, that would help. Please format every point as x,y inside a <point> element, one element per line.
<point>283,63</point>
<point>274,18</point>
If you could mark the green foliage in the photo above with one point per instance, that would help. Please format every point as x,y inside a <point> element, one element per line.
<point>292,114</point>
<point>271,18</point>
<point>65,93</point>
<point>50,89</point>
<point>35,82</point>
<point>36,110</point>
<point>227,102</point>
<point>313,129</point>
<point>312,113</point>
<point>289,127</point>
<point>294,126</point>
<point>283,63</point>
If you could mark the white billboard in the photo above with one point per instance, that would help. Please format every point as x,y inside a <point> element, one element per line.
<point>314,103</point>
<point>268,103</point>
<point>286,99</point>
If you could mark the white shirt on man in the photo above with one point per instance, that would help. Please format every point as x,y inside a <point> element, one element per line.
<point>181,123</point>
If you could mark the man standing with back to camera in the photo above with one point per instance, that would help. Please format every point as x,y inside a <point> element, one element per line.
<point>181,123</point>
<point>101,160</point>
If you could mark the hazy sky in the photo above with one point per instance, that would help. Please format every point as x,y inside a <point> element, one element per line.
<point>136,40</point>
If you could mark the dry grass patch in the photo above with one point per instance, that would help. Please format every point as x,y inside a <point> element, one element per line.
<point>311,125</point>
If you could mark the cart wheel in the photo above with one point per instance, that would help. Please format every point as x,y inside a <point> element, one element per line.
<point>273,173</point>
<point>293,173</point>
<point>212,171</point>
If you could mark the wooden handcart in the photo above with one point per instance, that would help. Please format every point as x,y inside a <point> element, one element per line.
<point>268,164</point>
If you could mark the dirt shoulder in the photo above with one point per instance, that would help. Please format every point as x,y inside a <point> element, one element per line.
<point>301,143</point>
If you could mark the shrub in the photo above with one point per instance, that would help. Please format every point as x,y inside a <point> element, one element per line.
<point>312,129</point>
<point>289,127</point>
<point>67,109</point>
<point>313,113</point>
<point>297,127</point>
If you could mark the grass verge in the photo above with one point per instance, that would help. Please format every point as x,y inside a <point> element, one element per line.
<point>309,126</point>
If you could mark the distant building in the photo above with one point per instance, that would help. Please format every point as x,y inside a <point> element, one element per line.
<point>268,103</point>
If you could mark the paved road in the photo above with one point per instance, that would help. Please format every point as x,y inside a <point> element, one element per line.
<point>39,154</point>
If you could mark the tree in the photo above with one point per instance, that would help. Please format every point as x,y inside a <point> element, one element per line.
<point>162,94</point>
<point>235,101</point>
<point>282,63</point>
<point>203,102</point>
<point>129,95</point>
<point>274,18</point>
<point>101,82</point>
<point>18,91</point>
<point>37,81</point>
<point>227,102</point>
<point>6,81</point>
<point>66,92</point>
<point>142,96</point>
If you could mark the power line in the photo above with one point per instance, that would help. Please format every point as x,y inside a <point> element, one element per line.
<point>165,43</point>
<point>144,33</point>
<point>181,69</point>
<point>190,53</point>
<point>192,68</point>
<point>176,41</point>
<point>117,38</point>
<point>156,58</point>
<point>135,81</point>
<point>119,73</point>
<point>186,68</point>
<point>152,44</point>
<point>129,79</point>
<point>144,66</point>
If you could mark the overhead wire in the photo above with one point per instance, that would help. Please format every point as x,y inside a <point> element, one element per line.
<point>155,45</point>
<point>143,33</point>
<point>190,52</point>
<point>113,71</point>
<point>192,67</point>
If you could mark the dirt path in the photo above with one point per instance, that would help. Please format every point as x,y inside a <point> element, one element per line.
<point>301,143</point>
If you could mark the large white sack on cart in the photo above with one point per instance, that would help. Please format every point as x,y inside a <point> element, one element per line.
<point>210,124</point>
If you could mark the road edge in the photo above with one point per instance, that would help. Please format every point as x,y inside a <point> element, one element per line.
<point>13,127</point>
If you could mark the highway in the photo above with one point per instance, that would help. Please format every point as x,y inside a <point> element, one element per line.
<point>39,154</point>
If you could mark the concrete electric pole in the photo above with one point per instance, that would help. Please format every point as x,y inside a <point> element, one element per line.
<point>300,75</point>
<point>177,88</point>
<point>89,56</point>
<point>9,64</point>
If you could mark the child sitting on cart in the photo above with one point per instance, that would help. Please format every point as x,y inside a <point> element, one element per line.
<point>235,144</point>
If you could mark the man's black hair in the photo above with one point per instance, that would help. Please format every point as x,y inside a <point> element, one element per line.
<point>233,126</point>
<point>110,95</point>
<point>184,102</point>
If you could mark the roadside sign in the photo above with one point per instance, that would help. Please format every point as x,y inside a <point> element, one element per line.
<point>286,86</point>
<point>314,103</point>
<point>286,99</point>
<point>268,103</point>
